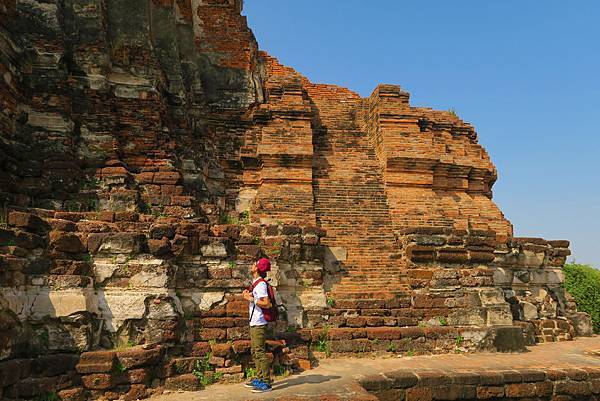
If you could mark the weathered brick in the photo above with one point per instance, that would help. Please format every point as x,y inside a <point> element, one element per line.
<point>140,357</point>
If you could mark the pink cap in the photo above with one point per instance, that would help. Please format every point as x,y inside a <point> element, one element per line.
<point>263,265</point>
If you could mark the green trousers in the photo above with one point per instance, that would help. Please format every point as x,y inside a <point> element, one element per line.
<point>258,337</point>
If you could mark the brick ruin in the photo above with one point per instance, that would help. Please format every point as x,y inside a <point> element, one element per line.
<point>149,153</point>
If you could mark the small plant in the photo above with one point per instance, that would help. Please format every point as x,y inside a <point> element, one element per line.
<point>250,373</point>
<point>212,342</point>
<point>422,324</point>
<point>202,371</point>
<point>443,321</point>
<point>322,343</point>
<point>92,205</point>
<point>410,352</point>
<point>227,219</point>
<point>90,183</point>
<point>245,217</point>
<point>459,340</point>
<point>11,243</point>
<point>391,347</point>
<point>158,211</point>
<point>232,264</point>
<point>452,111</point>
<point>255,240</point>
<point>87,258</point>
<point>291,329</point>
<point>122,346</point>
<point>119,368</point>
<point>330,301</point>
<point>179,368</point>
<point>280,370</point>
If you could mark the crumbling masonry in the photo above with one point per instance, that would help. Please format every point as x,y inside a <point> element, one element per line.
<point>149,153</point>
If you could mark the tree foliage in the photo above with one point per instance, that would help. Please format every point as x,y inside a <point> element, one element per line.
<point>583,283</point>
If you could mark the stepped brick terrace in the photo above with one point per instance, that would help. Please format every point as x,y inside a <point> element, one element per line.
<point>150,153</point>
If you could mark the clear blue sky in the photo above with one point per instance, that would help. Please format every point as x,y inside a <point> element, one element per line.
<point>526,74</point>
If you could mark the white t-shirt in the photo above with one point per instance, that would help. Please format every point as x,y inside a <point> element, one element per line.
<point>260,291</point>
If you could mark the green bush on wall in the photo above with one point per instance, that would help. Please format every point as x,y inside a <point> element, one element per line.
<point>583,283</point>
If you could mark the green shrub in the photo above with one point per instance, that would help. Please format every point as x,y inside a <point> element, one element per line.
<point>583,283</point>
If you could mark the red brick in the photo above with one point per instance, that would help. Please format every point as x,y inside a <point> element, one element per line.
<point>520,390</point>
<point>220,350</point>
<point>98,381</point>
<point>140,357</point>
<point>419,394</point>
<point>486,392</point>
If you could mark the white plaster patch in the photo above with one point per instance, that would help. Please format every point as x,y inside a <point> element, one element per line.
<point>205,300</point>
<point>116,306</point>
<point>50,121</point>
<point>312,298</point>
<point>149,279</point>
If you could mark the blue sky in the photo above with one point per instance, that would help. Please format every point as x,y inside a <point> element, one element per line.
<point>526,74</point>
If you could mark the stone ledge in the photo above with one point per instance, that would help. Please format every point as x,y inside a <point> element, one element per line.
<point>404,385</point>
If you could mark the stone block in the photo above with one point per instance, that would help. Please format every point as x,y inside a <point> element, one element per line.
<point>66,242</point>
<point>220,350</point>
<point>187,382</point>
<point>98,381</point>
<point>159,247</point>
<point>28,222</point>
<point>200,349</point>
<point>54,365</point>
<point>520,390</point>
<point>402,379</point>
<point>215,249</point>
<point>384,333</point>
<point>73,394</point>
<point>14,370</point>
<point>138,356</point>
<point>133,376</point>
<point>572,388</point>
<point>490,392</point>
<point>376,382</point>
<point>419,394</point>
<point>124,243</point>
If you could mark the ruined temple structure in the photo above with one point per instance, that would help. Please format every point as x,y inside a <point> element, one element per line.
<point>149,153</point>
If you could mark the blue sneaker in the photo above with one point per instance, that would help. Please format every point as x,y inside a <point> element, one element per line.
<point>252,383</point>
<point>262,387</point>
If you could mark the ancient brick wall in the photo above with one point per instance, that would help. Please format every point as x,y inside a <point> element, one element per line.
<point>73,282</point>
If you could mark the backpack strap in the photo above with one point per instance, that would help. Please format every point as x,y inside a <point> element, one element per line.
<point>257,282</point>
<point>252,287</point>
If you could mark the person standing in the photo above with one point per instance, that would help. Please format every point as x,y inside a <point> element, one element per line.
<point>258,297</point>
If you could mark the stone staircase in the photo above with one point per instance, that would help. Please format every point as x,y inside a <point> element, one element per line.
<point>351,205</point>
